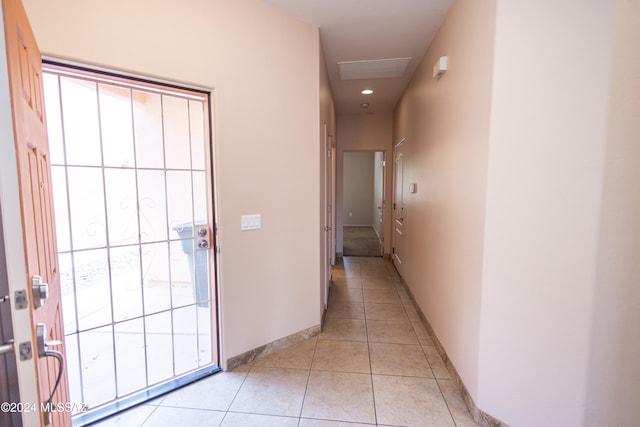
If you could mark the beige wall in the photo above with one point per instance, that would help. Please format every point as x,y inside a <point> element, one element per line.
<point>264,69</point>
<point>363,132</point>
<point>446,126</point>
<point>522,250</point>
<point>613,383</point>
<point>357,186</point>
<point>548,135</point>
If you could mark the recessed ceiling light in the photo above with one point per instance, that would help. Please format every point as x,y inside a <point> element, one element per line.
<point>367,92</point>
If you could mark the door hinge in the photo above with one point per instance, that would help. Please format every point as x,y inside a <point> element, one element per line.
<point>329,153</point>
<point>329,208</point>
<point>394,206</point>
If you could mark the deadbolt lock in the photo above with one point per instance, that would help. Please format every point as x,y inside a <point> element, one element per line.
<point>203,241</point>
<point>39,291</point>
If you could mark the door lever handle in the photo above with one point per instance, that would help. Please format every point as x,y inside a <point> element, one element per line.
<point>7,347</point>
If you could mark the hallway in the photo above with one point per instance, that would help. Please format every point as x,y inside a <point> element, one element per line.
<point>374,364</point>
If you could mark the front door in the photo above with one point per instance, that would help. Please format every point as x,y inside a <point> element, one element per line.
<point>34,181</point>
<point>132,182</point>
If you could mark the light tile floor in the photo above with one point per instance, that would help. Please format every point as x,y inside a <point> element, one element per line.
<point>373,364</point>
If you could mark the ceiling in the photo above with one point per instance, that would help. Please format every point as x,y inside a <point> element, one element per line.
<point>364,30</point>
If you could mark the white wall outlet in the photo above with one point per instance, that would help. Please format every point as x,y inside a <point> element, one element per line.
<point>250,222</point>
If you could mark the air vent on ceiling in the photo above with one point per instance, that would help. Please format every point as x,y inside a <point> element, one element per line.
<point>373,69</point>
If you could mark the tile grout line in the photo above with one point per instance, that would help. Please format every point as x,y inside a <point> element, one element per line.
<point>306,387</point>
<point>149,416</point>
<point>446,403</point>
<point>411,304</point>
<point>366,330</point>
<point>226,412</point>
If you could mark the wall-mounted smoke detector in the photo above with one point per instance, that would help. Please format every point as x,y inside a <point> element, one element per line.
<point>440,67</point>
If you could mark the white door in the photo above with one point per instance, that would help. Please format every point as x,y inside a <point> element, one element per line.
<point>328,229</point>
<point>398,210</point>
<point>382,199</point>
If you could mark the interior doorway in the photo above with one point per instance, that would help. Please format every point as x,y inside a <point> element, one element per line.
<point>132,186</point>
<point>363,203</point>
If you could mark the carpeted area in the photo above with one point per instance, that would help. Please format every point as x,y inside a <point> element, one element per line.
<point>360,241</point>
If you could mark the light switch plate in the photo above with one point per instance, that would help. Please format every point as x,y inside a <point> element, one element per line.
<point>250,222</point>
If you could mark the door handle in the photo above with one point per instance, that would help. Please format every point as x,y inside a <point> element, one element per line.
<point>43,351</point>
<point>7,347</point>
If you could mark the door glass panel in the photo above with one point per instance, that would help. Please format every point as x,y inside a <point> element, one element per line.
<point>130,356</point>
<point>176,132</point>
<point>86,207</point>
<point>122,209</point>
<point>181,273</point>
<point>147,116</point>
<point>73,367</point>
<point>179,203</point>
<point>159,350</point>
<point>116,126</point>
<point>156,277</point>
<point>92,290</point>
<point>126,282</point>
<point>185,326</point>
<point>65,263</point>
<point>137,294</point>
<point>199,205</point>
<point>152,205</point>
<point>81,124</point>
<point>59,187</point>
<point>204,335</point>
<point>197,129</point>
<point>97,361</point>
<point>54,118</point>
